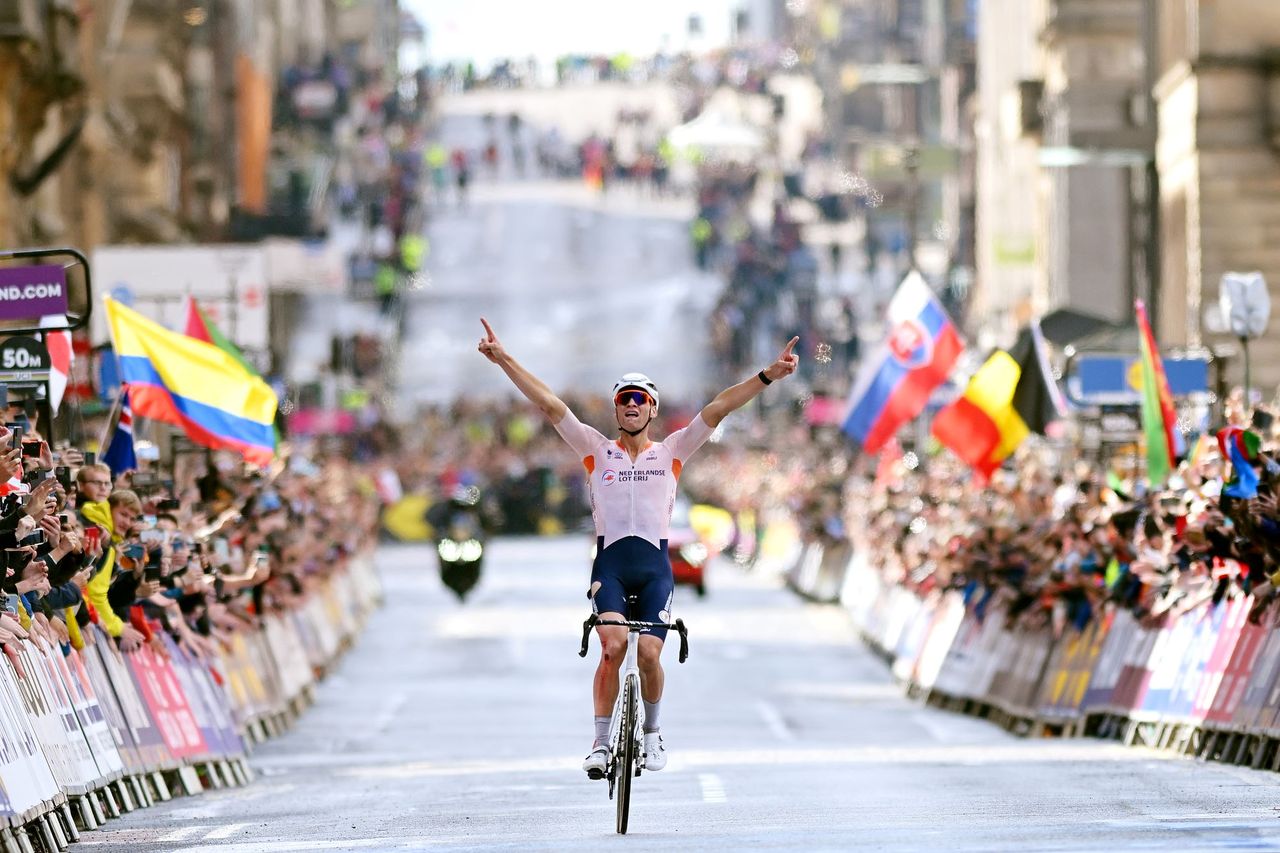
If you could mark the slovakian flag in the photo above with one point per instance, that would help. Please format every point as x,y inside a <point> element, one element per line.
<point>894,383</point>
<point>120,456</point>
<point>1011,396</point>
<point>1159,420</point>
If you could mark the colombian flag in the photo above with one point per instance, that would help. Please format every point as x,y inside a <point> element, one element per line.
<point>193,385</point>
<point>1010,397</point>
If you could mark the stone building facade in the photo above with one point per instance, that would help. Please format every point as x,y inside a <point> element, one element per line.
<point>1219,162</point>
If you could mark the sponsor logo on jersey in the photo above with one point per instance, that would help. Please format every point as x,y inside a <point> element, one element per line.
<point>609,477</point>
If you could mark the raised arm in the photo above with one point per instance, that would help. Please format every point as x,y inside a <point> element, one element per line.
<point>739,395</point>
<point>530,386</point>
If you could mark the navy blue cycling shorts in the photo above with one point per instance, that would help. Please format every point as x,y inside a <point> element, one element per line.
<point>632,566</point>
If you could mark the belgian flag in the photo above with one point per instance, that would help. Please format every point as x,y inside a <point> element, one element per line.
<point>1011,396</point>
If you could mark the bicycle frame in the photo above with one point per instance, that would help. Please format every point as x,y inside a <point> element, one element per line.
<point>630,668</point>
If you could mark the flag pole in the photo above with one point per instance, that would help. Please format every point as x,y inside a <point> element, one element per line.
<point>113,419</point>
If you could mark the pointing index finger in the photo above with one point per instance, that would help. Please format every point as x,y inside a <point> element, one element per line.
<point>488,329</point>
<point>791,344</point>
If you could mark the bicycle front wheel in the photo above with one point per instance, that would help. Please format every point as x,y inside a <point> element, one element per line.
<point>625,762</point>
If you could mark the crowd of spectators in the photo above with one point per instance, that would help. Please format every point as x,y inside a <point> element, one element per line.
<point>201,557</point>
<point>772,278</point>
<point>1051,544</point>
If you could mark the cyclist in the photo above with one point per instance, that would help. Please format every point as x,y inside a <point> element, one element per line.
<point>633,485</point>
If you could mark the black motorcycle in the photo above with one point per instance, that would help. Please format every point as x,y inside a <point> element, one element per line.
<point>461,533</point>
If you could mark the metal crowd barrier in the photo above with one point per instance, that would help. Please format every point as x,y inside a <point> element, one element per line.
<point>90,734</point>
<point>1205,683</point>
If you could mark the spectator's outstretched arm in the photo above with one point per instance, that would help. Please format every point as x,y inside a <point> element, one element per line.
<point>530,386</point>
<point>739,395</point>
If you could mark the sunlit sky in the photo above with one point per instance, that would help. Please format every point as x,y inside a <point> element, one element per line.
<point>486,30</point>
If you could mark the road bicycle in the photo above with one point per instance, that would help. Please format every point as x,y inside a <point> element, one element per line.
<point>626,728</point>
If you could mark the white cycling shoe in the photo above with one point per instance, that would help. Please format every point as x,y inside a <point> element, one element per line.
<point>655,754</point>
<point>597,762</point>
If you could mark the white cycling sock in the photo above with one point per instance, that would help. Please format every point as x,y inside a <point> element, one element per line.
<point>651,716</point>
<point>602,731</point>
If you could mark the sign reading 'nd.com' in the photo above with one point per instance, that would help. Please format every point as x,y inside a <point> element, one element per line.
<point>30,292</point>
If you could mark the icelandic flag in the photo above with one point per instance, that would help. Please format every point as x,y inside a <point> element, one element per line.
<point>917,355</point>
<point>120,456</point>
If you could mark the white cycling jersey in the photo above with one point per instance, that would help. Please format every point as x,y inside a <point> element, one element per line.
<point>632,498</point>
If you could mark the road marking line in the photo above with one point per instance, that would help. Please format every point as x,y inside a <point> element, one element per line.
<point>225,831</point>
<point>774,721</point>
<point>712,788</point>
<point>181,834</point>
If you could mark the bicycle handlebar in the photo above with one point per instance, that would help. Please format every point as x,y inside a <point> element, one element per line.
<point>593,620</point>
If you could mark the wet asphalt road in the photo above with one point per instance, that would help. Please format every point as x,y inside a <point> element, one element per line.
<point>463,727</point>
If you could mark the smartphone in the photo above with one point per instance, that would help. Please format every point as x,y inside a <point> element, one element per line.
<point>16,438</point>
<point>169,505</point>
<point>4,396</point>
<point>221,548</point>
<point>90,458</point>
<point>92,535</point>
<point>134,551</point>
<point>36,539</point>
<point>150,572</point>
<point>151,537</point>
<point>63,473</point>
<point>64,520</point>
<point>31,449</point>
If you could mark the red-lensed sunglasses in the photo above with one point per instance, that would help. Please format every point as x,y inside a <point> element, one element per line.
<point>632,398</point>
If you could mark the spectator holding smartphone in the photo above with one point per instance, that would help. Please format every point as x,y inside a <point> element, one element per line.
<point>116,516</point>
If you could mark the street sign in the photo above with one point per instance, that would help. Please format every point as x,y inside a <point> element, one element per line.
<point>23,359</point>
<point>1115,380</point>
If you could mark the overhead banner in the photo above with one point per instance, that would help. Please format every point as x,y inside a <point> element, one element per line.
<point>28,293</point>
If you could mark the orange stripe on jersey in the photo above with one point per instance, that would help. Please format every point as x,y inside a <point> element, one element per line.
<point>589,462</point>
<point>676,465</point>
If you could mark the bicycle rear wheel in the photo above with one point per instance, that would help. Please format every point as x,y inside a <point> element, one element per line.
<point>625,762</point>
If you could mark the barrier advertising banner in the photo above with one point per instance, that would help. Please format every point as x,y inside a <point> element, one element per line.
<point>167,707</point>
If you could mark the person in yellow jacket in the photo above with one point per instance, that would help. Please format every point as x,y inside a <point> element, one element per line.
<point>115,516</point>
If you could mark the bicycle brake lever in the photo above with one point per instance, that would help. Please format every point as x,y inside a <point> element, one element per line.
<point>684,640</point>
<point>586,634</point>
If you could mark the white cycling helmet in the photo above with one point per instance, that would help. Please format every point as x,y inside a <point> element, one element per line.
<point>638,381</point>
